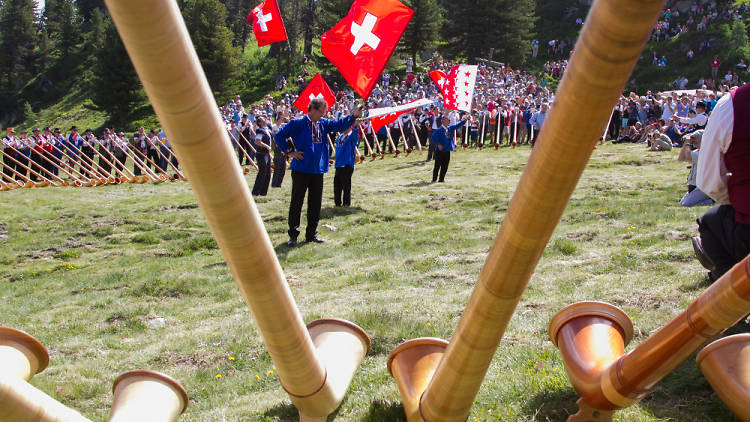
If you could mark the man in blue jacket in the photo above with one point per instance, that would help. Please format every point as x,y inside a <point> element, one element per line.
<point>443,139</point>
<point>346,143</point>
<point>309,163</point>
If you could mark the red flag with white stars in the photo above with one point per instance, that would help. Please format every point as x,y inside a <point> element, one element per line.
<point>317,88</point>
<point>439,77</point>
<point>458,90</point>
<point>268,26</point>
<point>361,43</point>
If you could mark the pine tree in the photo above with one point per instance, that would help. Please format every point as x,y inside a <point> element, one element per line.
<point>330,12</point>
<point>70,27</point>
<point>17,37</point>
<point>86,8</point>
<point>476,26</point>
<point>422,31</point>
<point>206,23</point>
<point>116,87</point>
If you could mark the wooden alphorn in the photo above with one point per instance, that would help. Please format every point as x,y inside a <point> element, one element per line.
<point>726,365</point>
<point>135,155</point>
<point>367,143</point>
<point>15,182</point>
<point>245,170</point>
<point>143,395</point>
<point>416,133</point>
<point>21,357</point>
<point>178,173</point>
<point>164,176</point>
<point>158,43</point>
<point>45,182</point>
<point>27,183</point>
<point>132,178</point>
<point>94,181</point>
<point>76,182</point>
<point>99,172</point>
<point>403,136</point>
<point>607,50</point>
<point>84,165</point>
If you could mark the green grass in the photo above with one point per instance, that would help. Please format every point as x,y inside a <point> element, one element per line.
<point>86,270</point>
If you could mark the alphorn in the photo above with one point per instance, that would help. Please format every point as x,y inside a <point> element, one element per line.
<point>145,160</point>
<point>482,132</point>
<point>138,395</point>
<point>112,161</point>
<point>90,163</point>
<point>245,170</point>
<point>591,337</point>
<point>110,175</point>
<point>396,152</point>
<point>403,136</point>
<point>607,50</point>
<point>76,181</point>
<point>132,178</point>
<point>27,183</point>
<point>84,165</point>
<point>370,152</point>
<point>17,182</point>
<point>135,155</point>
<point>178,173</point>
<point>726,365</point>
<point>316,363</point>
<point>416,133</point>
<point>114,173</point>
<point>375,139</point>
<point>46,181</point>
<point>21,357</point>
<point>89,181</point>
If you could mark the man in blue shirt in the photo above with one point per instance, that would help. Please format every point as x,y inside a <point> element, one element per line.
<point>346,143</point>
<point>309,163</point>
<point>443,139</point>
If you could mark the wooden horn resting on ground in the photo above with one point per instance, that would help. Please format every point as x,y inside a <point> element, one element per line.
<point>21,357</point>
<point>159,45</point>
<point>147,396</point>
<point>607,50</point>
<point>607,381</point>
<point>726,365</point>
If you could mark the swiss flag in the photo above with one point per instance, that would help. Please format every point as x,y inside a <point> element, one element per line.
<point>439,77</point>
<point>361,43</point>
<point>458,91</point>
<point>268,26</point>
<point>317,88</point>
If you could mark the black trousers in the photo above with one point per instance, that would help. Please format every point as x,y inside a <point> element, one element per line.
<point>534,138</point>
<point>724,240</point>
<point>279,169</point>
<point>430,151</point>
<point>302,183</point>
<point>342,184</point>
<point>442,159</point>
<point>22,161</point>
<point>260,188</point>
<point>8,165</point>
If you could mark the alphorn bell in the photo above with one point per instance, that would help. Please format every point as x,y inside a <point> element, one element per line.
<point>726,365</point>
<point>607,50</point>
<point>158,43</point>
<point>143,395</point>
<point>21,357</point>
<point>621,381</point>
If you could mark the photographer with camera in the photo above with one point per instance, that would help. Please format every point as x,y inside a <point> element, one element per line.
<point>689,153</point>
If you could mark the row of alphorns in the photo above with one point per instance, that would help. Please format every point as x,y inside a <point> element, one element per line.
<point>139,395</point>
<point>108,170</point>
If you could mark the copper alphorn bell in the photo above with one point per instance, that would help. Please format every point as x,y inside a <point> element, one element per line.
<point>315,363</point>
<point>85,179</point>
<point>726,365</point>
<point>607,50</point>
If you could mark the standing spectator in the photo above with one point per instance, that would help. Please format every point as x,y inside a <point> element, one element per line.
<point>715,63</point>
<point>444,141</point>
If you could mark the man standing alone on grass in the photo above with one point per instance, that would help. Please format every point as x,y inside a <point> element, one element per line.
<point>309,163</point>
<point>443,139</point>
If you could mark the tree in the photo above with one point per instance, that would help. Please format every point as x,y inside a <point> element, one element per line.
<point>735,47</point>
<point>70,27</point>
<point>86,8</point>
<point>476,26</point>
<point>206,23</point>
<point>17,37</point>
<point>423,27</point>
<point>116,87</point>
<point>330,12</point>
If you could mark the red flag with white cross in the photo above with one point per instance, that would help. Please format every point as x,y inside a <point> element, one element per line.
<point>361,43</point>
<point>458,90</point>
<point>439,77</point>
<point>268,26</point>
<point>317,88</point>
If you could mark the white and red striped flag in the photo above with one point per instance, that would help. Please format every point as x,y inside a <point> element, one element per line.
<point>458,90</point>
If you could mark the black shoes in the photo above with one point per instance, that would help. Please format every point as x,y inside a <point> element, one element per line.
<point>315,239</point>
<point>292,242</point>
<point>701,256</point>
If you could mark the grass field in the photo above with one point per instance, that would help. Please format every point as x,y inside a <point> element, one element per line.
<point>89,271</point>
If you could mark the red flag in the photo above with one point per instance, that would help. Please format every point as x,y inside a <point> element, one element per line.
<point>387,115</point>
<point>317,88</point>
<point>439,77</point>
<point>361,43</point>
<point>268,26</point>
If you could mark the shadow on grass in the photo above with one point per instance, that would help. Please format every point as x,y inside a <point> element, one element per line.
<point>384,410</point>
<point>555,405</point>
<point>418,163</point>
<point>330,212</point>
<point>701,284</point>
<point>288,413</point>
<point>418,184</point>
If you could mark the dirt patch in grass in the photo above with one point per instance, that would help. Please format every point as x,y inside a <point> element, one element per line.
<point>193,360</point>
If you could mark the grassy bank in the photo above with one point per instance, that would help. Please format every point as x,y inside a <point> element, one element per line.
<point>90,271</point>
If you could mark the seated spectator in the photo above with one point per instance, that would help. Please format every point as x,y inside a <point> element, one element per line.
<point>689,153</point>
<point>659,141</point>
